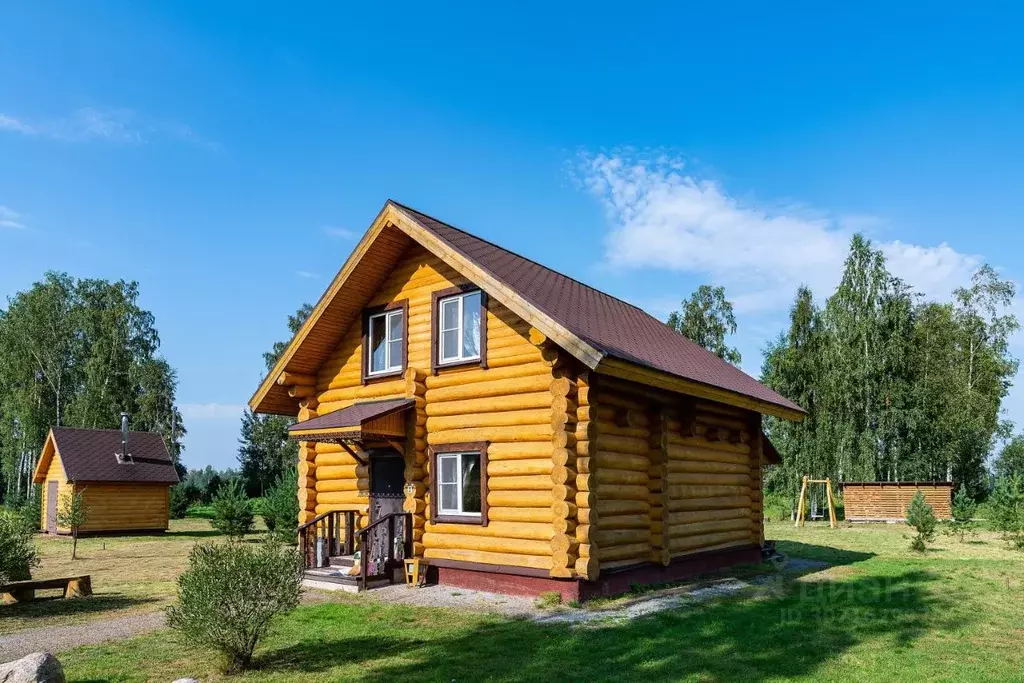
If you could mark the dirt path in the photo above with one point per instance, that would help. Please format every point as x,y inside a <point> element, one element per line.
<point>60,638</point>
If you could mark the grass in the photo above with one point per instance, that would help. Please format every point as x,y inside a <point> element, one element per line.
<point>130,575</point>
<point>879,612</point>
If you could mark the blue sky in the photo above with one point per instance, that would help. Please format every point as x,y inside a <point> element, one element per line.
<point>228,155</point>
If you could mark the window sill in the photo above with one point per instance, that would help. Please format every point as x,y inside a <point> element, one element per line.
<point>459,519</point>
<point>461,364</point>
<point>383,376</point>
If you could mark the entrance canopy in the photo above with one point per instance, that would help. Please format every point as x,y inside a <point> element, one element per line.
<point>360,422</point>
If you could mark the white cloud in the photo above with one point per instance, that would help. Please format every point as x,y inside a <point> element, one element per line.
<point>306,274</point>
<point>211,411</point>
<point>108,124</point>
<point>10,219</point>
<point>12,124</point>
<point>338,232</point>
<point>662,216</point>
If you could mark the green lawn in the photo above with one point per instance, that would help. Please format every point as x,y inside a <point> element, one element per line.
<point>879,613</point>
<point>130,575</point>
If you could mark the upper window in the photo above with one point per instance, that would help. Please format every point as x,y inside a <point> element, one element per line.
<point>459,329</point>
<point>385,342</point>
<point>459,484</point>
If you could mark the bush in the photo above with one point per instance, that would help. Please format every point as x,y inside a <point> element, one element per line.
<point>232,512</point>
<point>179,502</point>
<point>281,507</point>
<point>1006,510</point>
<point>778,506</point>
<point>200,512</point>
<point>231,593</point>
<point>26,506</point>
<point>17,548</point>
<point>922,518</point>
<point>962,523</point>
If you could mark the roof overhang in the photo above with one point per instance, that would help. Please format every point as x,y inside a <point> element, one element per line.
<point>360,422</point>
<point>622,369</point>
<point>771,454</point>
<point>43,466</point>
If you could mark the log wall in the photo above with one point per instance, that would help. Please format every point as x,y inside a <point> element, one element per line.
<point>520,404</point>
<point>888,501</point>
<point>673,476</point>
<point>125,507</point>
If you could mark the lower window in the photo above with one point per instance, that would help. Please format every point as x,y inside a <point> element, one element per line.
<point>459,491</point>
<point>459,479</point>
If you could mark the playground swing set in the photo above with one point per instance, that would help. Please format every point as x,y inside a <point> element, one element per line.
<point>801,511</point>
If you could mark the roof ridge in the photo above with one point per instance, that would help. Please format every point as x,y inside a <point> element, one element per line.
<point>525,258</point>
<point>107,429</point>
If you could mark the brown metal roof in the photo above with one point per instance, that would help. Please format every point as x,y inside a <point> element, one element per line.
<point>896,483</point>
<point>354,416</point>
<point>611,325</point>
<point>91,455</point>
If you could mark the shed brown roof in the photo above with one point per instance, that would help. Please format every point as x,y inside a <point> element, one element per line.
<point>91,455</point>
<point>611,325</point>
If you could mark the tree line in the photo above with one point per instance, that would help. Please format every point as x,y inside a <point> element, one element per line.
<point>896,387</point>
<point>78,353</point>
<point>265,454</point>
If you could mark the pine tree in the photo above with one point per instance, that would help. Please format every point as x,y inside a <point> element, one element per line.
<point>921,517</point>
<point>962,522</point>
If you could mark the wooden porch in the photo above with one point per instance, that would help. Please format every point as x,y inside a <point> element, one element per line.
<point>338,556</point>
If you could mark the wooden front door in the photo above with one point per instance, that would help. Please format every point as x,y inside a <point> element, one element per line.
<point>387,483</point>
<point>51,507</point>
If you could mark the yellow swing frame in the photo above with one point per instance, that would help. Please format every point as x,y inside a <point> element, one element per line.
<point>801,511</point>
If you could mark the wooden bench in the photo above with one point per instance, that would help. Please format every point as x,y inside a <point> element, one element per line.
<point>23,591</point>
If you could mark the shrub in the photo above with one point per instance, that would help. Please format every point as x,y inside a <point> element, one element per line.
<point>232,512</point>
<point>179,502</point>
<point>962,523</point>
<point>281,507</point>
<point>200,512</point>
<point>1006,507</point>
<point>17,548</point>
<point>231,593</point>
<point>921,517</point>
<point>778,506</point>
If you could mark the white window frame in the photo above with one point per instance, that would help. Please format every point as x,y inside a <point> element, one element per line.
<point>389,322</point>
<point>441,329</point>
<point>458,512</point>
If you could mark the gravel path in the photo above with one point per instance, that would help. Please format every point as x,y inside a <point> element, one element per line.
<point>60,638</point>
<point>458,598</point>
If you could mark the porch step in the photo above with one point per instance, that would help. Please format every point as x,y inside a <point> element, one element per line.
<point>338,579</point>
<point>341,560</point>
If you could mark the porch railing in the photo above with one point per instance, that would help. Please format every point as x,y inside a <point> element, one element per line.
<point>326,536</point>
<point>389,556</point>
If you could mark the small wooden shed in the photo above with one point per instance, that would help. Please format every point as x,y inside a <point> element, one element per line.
<point>125,489</point>
<point>887,501</point>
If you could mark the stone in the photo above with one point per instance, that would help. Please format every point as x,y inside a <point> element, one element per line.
<point>38,667</point>
<point>186,680</point>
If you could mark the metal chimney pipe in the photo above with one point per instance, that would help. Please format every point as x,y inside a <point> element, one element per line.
<point>124,437</point>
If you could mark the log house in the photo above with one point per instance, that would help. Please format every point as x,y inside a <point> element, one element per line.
<point>539,434</point>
